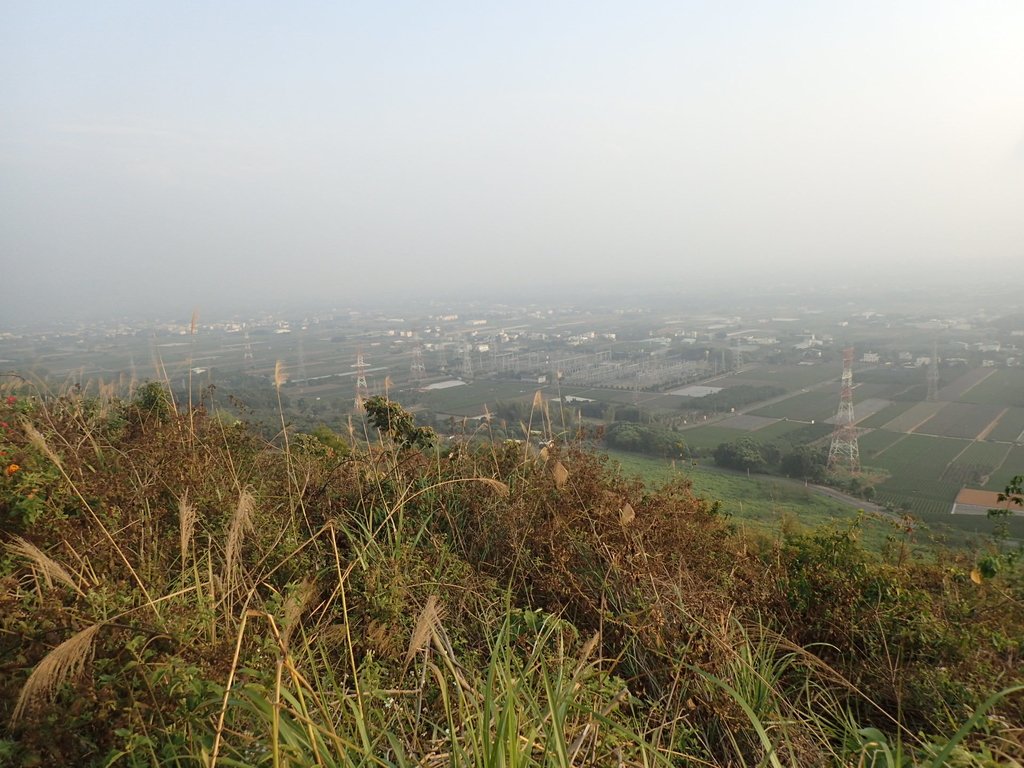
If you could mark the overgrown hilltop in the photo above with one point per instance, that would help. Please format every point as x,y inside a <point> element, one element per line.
<point>178,591</point>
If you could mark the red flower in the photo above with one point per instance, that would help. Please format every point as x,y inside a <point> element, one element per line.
<point>12,400</point>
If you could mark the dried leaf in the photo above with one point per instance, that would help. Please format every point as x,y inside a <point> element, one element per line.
<point>976,576</point>
<point>626,514</point>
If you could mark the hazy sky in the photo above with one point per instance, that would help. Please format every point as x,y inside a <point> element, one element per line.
<point>177,154</point>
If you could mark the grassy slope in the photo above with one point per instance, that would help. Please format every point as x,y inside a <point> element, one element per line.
<point>762,503</point>
<point>175,591</point>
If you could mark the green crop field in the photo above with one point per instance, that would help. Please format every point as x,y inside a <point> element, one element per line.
<point>1010,427</point>
<point>1004,387</point>
<point>818,405</point>
<point>790,377</point>
<point>876,440</point>
<point>468,400</point>
<point>916,465</point>
<point>884,416</point>
<point>779,430</point>
<point>915,416</point>
<point>806,433</point>
<point>963,382</point>
<point>1012,466</point>
<point>975,463</point>
<point>961,420</point>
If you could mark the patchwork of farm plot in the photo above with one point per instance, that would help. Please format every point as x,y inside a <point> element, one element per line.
<point>1011,466</point>
<point>1010,427</point>
<point>883,416</point>
<point>817,405</point>
<point>966,420</point>
<point>925,452</point>
<point>1004,387</point>
<point>916,465</point>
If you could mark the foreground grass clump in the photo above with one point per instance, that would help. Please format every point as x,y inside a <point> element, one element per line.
<point>176,591</point>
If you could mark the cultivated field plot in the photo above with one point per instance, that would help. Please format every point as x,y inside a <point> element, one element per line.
<point>916,465</point>
<point>976,463</point>
<point>622,396</point>
<point>1010,427</point>
<point>914,417</point>
<point>883,416</point>
<point>789,377</point>
<point>818,405</point>
<point>783,433</point>
<point>1012,466</point>
<point>664,402</point>
<point>470,399</point>
<point>869,390</point>
<point>780,428</point>
<point>960,420</point>
<point>956,389</point>
<point>747,422</point>
<point>875,441</point>
<point>1004,387</point>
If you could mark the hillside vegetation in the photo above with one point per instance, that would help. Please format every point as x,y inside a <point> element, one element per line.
<point>175,590</point>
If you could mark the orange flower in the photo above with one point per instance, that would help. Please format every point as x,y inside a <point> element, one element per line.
<point>11,469</point>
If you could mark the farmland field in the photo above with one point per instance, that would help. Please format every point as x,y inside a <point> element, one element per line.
<point>1004,387</point>
<point>914,416</point>
<point>469,400</point>
<point>956,389</point>
<point>960,420</point>
<point>975,463</point>
<point>1014,465</point>
<point>876,440</point>
<point>784,428</point>
<point>791,377</point>
<point>883,416</point>
<point>747,422</point>
<point>1010,427</point>
<point>818,405</point>
<point>916,465</point>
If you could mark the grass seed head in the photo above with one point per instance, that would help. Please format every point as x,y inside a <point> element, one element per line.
<point>64,664</point>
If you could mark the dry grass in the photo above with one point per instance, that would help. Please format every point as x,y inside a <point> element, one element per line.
<point>426,626</point>
<point>241,523</point>
<point>63,665</point>
<point>187,514</point>
<point>51,570</point>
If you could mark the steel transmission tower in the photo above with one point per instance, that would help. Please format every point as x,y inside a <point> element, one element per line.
<point>933,374</point>
<point>417,370</point>
<point>362,390</point>
<point>467,361</point>
<point>737,357</point>
<point>844,451</point>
